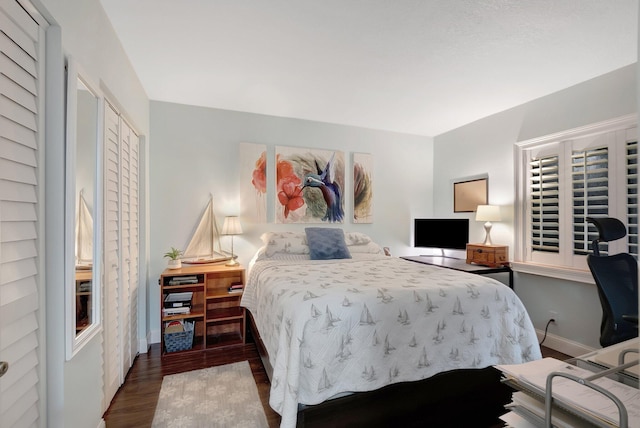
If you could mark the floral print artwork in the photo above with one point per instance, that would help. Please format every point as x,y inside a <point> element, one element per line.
<point>253,178</point>
<point>362,188</point>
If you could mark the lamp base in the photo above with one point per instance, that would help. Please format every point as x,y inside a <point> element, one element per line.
<point>232,262</point>
<point>487,230</point>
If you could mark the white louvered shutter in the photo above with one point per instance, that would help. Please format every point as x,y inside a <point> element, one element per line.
<point>545,206</point>
<point>590,184</point>
<point>20,44</point>
<point>112,327</point>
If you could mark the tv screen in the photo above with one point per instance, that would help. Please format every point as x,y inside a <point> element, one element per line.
<point>447,233</point>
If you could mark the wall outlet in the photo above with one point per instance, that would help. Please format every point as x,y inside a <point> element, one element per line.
<point>553,315</point>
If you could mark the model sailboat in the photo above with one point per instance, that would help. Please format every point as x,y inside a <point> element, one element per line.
<point>204,246</point>
<point>84,235</point>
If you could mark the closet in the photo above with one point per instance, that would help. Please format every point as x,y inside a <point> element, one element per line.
<point>121,252</point>
<point>22,41</point>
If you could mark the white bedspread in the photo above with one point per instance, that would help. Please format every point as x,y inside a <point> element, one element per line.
<point>359,324</point>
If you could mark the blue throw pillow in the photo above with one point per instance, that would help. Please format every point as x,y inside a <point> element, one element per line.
<point>326,243</point>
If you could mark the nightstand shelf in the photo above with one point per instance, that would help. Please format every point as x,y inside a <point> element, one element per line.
<point>224,339</point>
<point>219,319</point>
<point>222,314</point>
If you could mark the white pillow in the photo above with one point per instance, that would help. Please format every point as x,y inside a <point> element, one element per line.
<point>262,255</point>
<point>285,242</point>
<point>370,248</point>
<point>356,238</point>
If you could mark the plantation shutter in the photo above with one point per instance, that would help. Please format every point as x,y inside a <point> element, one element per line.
<point>590,184</point>
<point>21,40</point>
<point>632,197</point>
<point>545,207</point>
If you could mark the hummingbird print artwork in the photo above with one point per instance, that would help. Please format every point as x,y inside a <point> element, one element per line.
<point>324,180</point>
<point>309,185</point>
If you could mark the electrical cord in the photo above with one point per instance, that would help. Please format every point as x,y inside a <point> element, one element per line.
<point>545,331</point>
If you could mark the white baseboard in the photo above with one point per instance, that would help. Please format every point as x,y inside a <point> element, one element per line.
<point>143,345</point>
<point>563,345</point>
<point>154,336</point>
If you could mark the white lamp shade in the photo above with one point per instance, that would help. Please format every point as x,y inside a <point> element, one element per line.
<point>231,226</point>
<point>488,213</point>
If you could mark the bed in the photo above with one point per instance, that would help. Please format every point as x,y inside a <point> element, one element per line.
<point>353,320</point>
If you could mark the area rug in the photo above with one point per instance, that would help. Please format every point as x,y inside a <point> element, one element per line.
<point>222,396</point>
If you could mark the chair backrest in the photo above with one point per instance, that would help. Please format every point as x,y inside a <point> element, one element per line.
<point>617,280</point>
<point>616,277</point>
<point>609,229</point>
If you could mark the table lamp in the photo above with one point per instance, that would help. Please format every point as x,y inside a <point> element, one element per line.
<point>488,213</point>
<point>232,227</point>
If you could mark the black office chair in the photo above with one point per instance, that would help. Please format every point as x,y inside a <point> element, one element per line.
<point>617,279</point>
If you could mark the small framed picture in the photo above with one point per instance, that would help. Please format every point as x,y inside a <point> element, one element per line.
<point>467,195</point>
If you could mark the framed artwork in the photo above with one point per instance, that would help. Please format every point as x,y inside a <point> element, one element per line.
<point>362,188</point>
<point>467,195</point>
<point>253,182</point>
<point>309,185</point>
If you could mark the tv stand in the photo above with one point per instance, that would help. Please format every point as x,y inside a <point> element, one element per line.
<point>461,265</point>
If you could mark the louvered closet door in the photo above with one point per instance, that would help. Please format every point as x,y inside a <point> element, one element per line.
<point>129,295</point>
<point>112,325</point>
<point>20,50</point>
<point>125,298</point>
<point>134,243</point>
<point>122,246</point>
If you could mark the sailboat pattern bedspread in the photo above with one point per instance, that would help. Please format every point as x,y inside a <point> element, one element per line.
<point>359,324</point>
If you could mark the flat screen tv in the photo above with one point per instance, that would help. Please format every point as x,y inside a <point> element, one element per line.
<point>445,233</point>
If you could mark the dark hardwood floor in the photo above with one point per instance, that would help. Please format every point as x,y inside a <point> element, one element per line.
<point>135,402</point>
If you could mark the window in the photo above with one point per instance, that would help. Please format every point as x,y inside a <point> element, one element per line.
<point>563,178</point>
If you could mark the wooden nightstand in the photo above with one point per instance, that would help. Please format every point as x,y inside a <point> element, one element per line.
<point>218,318</point>
<point>224,317</point>
<point>488,255</point>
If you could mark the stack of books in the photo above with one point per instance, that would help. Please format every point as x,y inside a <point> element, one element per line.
<point>182,280</point>
<point>236,288</point>
<point>177,303</point>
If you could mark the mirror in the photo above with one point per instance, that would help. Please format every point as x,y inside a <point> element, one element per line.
<point>83,207</point>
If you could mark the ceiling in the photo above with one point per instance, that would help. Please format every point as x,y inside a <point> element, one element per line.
<point>414,66</point>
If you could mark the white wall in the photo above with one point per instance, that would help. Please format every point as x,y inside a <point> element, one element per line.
<point>487,146</point>
<point>75,393</point>
<point>195,153</point>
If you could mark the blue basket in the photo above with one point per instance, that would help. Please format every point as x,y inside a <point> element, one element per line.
<point>181,340</point>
